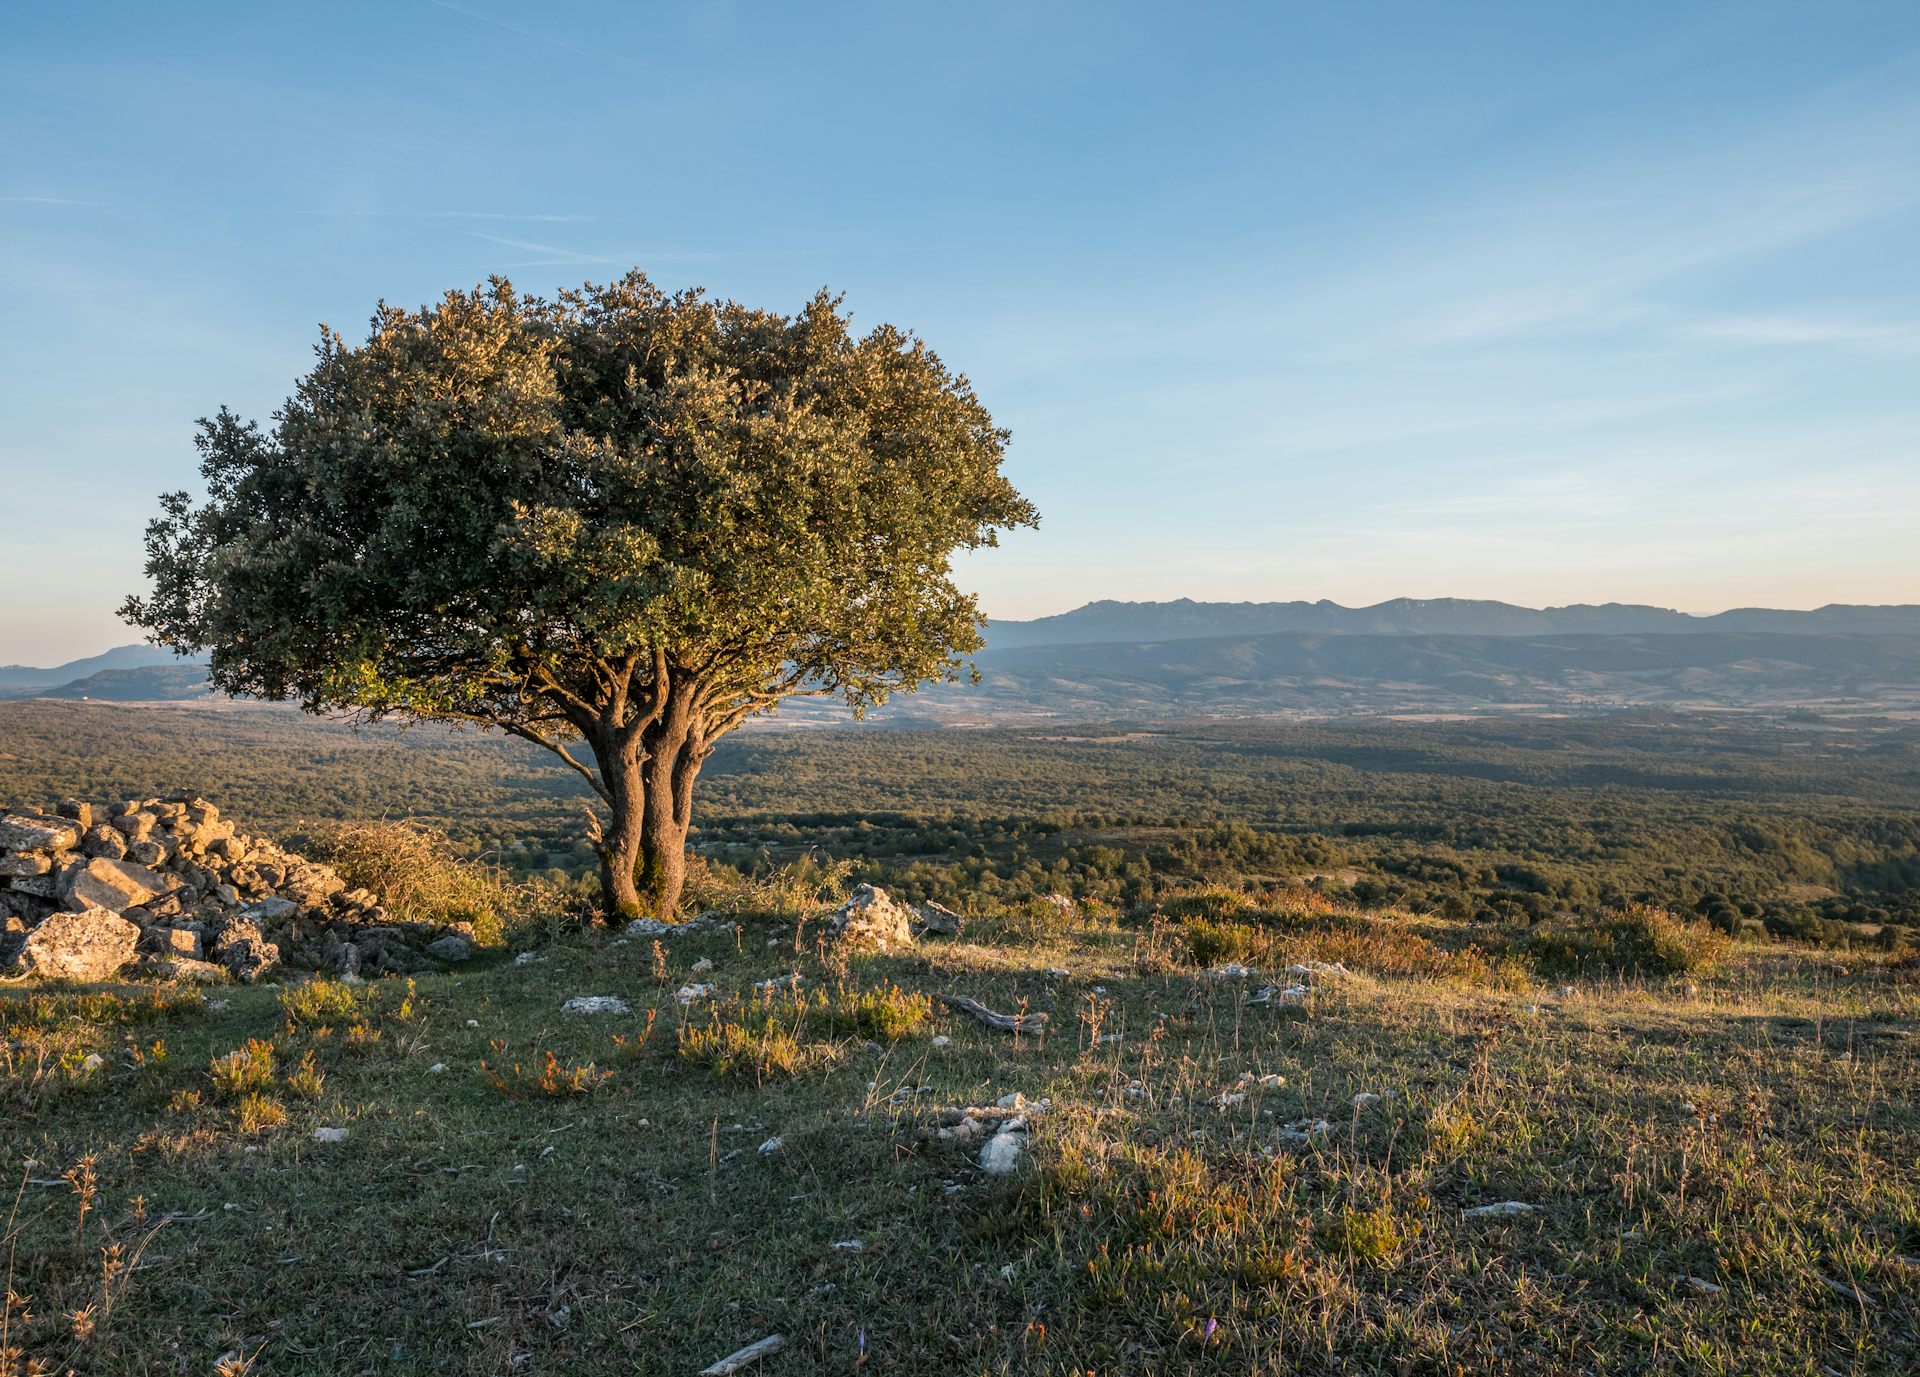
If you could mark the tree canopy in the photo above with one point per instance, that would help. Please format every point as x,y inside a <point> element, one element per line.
<point>623,517</point>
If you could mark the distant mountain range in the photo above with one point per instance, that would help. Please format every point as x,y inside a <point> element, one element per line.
<point>1320,673</point>
<point>1185,620</point>
<point>128,673</point>
<point>1123,659</point>
<point>17,677</point>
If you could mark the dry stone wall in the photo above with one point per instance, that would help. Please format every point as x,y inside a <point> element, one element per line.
<point>90,891</point>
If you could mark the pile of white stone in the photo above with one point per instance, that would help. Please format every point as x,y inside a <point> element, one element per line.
<point>89,890</point>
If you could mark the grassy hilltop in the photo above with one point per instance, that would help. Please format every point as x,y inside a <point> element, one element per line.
<point>1719,1163</point>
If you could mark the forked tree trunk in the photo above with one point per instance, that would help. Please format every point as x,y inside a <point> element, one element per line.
<point>675,747</point>
<point>620,844</point>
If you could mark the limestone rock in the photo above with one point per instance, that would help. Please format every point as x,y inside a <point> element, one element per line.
<point>25,863</point>
<point>1002,1154</point>
<point>105,841</point>
<point>932,917</point>
<point>1503,1209</point>
<point>594,1004</point>
<point>452,947</point>
<point>136,825</point>
<point>147,852</point>
<point>92,944</point>
<point>870,917</point>
<point>244,950</point>
<point>270,910</point>
<point>114,885</point>
<point>33,832</point>
<point>185,969</point>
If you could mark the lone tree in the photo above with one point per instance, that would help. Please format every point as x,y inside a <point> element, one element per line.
<point>623,518</point>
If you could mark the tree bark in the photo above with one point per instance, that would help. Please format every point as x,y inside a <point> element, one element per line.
<point>625,779</point>
<point>675,747</point>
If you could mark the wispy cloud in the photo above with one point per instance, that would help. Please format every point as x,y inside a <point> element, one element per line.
<point>556,256</point>
<point>51,201</point>
<point>525,217</point>
<point>617,61</point>
<point>1796,329</point>
<point>461,216</point>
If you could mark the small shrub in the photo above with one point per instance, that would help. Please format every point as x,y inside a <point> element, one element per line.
<point>729,1048</point>
<point>793,890</point>
<point>151,1057</point>
<point>887,1014</point>
<point>1372,1237</point>
<point>1208,901</point>
<point>315,1003</point>
<point>1637,940</point>
<point>1209,942</point>
<point>257,1113</point>
<point>243,1071</point>
<point>413,871</point>
<point>1452,1130</point>
<point>187,1102</point>
<point>307,1080</point>
<point>634,1046</point>
<point>554,1080</point>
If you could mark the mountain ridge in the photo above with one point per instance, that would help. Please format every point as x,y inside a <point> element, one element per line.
<point>1186,619</point>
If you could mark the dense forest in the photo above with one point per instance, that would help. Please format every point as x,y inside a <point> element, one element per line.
<point>1809,827</point>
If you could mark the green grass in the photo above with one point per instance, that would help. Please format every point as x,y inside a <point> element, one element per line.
<point>1753,1125</point>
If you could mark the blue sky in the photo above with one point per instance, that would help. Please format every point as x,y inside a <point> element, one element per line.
<point>1546,303</point>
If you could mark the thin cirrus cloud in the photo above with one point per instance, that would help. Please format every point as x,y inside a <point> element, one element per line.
<point>602,56</point>
<point>524,217</point>
<point>555,256</point>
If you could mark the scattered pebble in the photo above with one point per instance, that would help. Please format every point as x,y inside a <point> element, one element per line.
<point>1230,970</point>
<point>93,1062</point>
<point>942,1040</point>
<point>1502,1210</point>
<point>439,1068</point>
<point>704,966</point>
<point>851,1245</point>
<point>790,981</point>
<point>1698,1284</point>
<point>594,1004</point>
<point>1275,994</point>
<point>329,1135</point>
<point>527,958</point>
<point>772,1145</point>
<point>1366,1099</point>
<point>1004,1150</point>
<point>687,994</point>
<point>473,1023</point>
<point>1302,1130</point>
<point>1227,1099</point>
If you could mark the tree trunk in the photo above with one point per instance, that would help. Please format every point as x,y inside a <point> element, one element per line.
<point>675,746</point>
<point>620,844</point>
